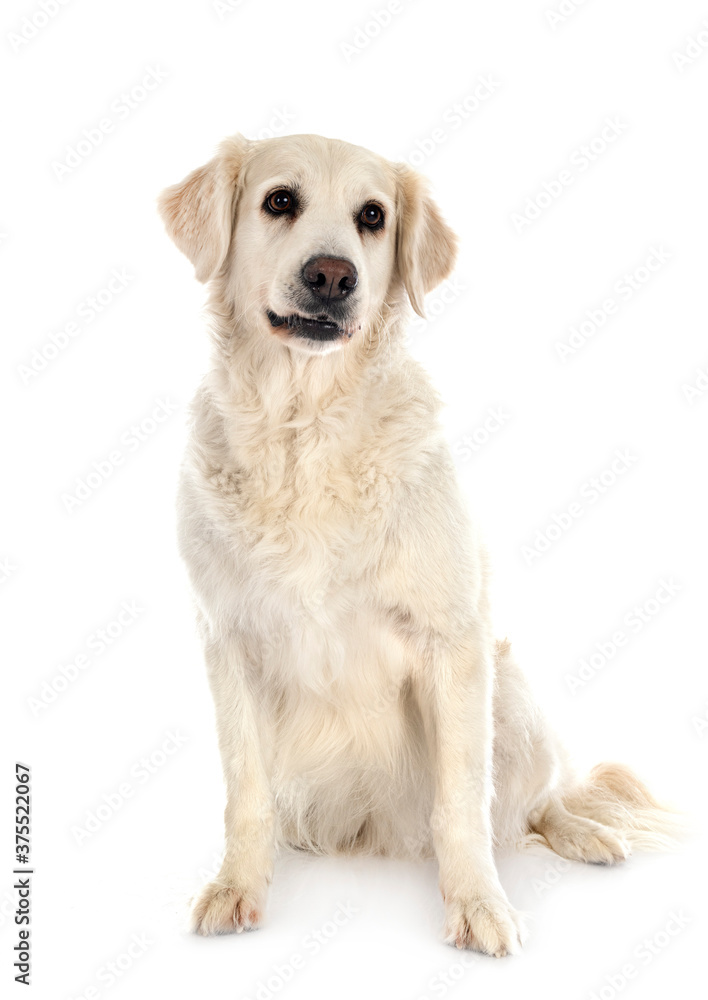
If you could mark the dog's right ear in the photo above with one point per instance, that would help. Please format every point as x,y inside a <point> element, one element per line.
<point>199,211</point>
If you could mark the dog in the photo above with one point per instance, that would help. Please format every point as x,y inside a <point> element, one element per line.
<point>362,702</point>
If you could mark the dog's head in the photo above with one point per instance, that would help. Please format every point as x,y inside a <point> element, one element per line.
<point>310,238</point>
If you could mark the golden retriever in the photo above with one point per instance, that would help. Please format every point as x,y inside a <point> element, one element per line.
<point>362,702</point>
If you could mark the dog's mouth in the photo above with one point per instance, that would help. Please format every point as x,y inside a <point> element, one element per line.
<point>312,328</point>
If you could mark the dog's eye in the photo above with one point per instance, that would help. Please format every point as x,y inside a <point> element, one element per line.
<point>372,216</point>
<point>280,202</point>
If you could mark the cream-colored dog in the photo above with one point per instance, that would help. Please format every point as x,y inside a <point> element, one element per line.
<point>362,703</point>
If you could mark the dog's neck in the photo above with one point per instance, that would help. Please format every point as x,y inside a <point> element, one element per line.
<point>267,403</point>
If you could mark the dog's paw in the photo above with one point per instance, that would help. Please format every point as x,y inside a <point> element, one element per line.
<point>582,839</point>
<point>486,924</point>
<point>603,847</point>
<point>223,909</point>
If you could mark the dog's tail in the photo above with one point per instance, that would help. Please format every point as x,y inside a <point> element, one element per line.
<point>614,796</point>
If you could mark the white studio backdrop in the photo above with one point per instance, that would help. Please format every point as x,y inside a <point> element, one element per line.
<point>566,143</point>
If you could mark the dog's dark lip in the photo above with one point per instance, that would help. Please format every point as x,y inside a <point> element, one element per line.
<point>312,328</point>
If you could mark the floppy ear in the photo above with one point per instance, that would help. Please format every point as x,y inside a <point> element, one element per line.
<point>426,247</point>
<point>199,211</point>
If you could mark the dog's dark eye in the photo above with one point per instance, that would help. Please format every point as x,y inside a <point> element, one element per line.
<point>372,216</point>
<point>280,202</point>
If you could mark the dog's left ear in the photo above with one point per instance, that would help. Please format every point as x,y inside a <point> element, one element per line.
<point>199,211</point>
<point>426,247</point>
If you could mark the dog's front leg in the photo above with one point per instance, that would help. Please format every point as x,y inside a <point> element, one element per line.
<point>234,901</point>
<point>454,691</point>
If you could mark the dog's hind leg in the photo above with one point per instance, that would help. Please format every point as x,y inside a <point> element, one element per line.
<point>599,818</point>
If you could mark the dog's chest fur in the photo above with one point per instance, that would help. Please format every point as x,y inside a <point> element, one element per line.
<point>302,483</point>
<point>294,494</point>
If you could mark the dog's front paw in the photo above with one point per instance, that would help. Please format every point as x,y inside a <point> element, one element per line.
<point>223,909</point>
<point>484,923</point>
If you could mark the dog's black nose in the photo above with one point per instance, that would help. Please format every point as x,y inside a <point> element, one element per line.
<point>330,277</point>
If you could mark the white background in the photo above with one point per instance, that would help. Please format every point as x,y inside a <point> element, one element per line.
<point>494,345</point>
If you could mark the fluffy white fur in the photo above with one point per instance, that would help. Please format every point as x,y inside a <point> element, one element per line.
<point>362,703</point>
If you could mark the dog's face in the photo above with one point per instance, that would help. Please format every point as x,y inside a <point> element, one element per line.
<point>309,237</point>
<point>316,236</point>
